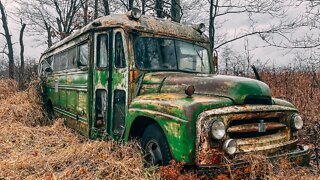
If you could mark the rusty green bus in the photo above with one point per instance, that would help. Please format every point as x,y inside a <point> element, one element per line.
<point>138,77</point>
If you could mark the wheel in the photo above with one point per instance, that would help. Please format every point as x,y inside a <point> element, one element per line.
<point>155,147</point>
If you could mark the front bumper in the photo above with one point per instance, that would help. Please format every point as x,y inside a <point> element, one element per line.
<point>240,169</point>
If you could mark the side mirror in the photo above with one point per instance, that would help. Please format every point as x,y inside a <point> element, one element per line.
<point>48,69</point>
<point>45,71</point>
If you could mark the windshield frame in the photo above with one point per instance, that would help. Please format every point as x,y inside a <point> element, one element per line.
<point>190,41</point>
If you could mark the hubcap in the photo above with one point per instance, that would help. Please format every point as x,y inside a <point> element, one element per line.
<point>153,154</point>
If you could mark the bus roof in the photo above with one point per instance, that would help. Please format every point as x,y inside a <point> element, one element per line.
<point>145,24</point>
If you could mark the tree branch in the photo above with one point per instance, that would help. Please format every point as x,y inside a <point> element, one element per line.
<point>242,36</point>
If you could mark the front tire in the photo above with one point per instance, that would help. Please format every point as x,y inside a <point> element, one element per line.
<point>155,147</point>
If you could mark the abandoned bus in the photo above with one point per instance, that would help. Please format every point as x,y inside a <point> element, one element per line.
<point>131,76</point>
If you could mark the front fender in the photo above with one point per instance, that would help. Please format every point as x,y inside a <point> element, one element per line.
<point>176,114</point>
<point>180,142</point>
<point>282,102</point>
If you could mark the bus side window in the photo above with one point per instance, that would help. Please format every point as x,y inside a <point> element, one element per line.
<point>72,53</point>
<point>60,61</point>
<point>83,54</point>
<point>102,51</point>
<point>120,61</point>
<point>63,60</point>
<point>56,62</point>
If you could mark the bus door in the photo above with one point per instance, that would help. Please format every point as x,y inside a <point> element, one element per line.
<point>110,76</point>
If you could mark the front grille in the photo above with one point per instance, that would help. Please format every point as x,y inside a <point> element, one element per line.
<point>252,128</point>
<point>252,121</point>
<point>252,134</point>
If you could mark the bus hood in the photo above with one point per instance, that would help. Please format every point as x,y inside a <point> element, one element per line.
<point>239,89</point>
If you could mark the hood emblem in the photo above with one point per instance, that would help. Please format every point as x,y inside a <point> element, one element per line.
<point>262,126</point>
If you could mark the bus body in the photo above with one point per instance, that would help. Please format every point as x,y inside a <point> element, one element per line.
<point>152,79</point>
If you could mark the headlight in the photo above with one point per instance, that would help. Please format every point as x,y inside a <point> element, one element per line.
<point>296,121</point>
<point>135,13</point>
<point>230,146</point>
<point>218,129</point>
<point>200,27</point>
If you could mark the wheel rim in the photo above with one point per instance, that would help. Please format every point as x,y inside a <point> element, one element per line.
<point>153,155</point>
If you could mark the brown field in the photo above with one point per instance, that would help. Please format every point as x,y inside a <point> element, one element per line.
<point>32,147</point>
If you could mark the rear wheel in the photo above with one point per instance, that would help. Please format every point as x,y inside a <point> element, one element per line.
<point>155,147</point>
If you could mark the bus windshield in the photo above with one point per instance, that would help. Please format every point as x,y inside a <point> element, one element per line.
<point>169,54</point>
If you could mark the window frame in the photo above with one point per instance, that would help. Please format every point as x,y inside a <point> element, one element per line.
<point>78,68</point>
<point>98,52</point>
<point>123,51</point>
<point>78,54</point>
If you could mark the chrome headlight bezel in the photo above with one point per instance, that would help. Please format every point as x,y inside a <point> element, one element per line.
<point>135,13</point>
<point>217,129</point>
<point>230,146</point>
<point>296,121</point>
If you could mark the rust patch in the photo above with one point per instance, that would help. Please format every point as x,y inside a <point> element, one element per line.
<point>250,139</point>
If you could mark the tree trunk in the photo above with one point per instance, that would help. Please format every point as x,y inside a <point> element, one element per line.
<point>8,39</point>
<point>84,5</point>
<point>106,7</point>
<point>21,71</point>
<point>95,15</point>
<point>159,8</point>
<point>176,10</point>
<point>213,14</point>
<point>130,4</point>
<point>143,5</point>
<point>49,35</point>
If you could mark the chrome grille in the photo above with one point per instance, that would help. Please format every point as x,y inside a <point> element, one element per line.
<point>251,128</point>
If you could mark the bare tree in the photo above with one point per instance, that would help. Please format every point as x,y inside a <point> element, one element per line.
<point>159,8</point>
<point>85,8</point>
<point>176,10</point>
<point>130,4</point>
<point>9,44</point>
<point>106,7</point>
<point>220,10</point>
<point>66,10</point>
<point>143,6</point>
<point>213,15</point>
<point>53,19</point>
<point>308,21</point>
<point>21,70</point>
<point>96,11</point>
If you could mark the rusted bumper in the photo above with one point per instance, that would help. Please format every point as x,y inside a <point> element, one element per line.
<point>241,169</point>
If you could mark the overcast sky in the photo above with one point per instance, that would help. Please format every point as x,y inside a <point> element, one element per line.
<point>233,24</point>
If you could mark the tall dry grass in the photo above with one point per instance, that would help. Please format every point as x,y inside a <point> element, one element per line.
<point>303,90</point>
<point>300,88</point>
<point>31,147</point>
